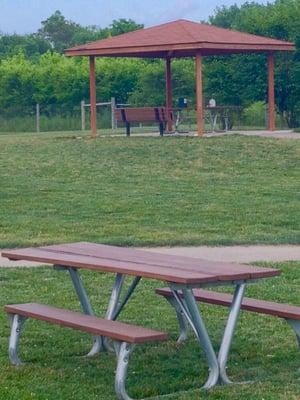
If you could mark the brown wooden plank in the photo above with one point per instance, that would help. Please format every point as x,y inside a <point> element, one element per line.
<point>87,323</point>
<point>259,306</point>
<point>227,272</point>
<point>222,269</point>
<point>108,265</point>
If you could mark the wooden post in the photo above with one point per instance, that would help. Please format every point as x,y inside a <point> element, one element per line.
<point>93,97</point>
<point>271,93</point>
<point>169,100</point>
<point>38,118</point>
<point>82,106</point>
<point>113,119</point>
<point>199,95</point>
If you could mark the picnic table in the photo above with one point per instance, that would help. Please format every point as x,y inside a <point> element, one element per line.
<point>181,274</point>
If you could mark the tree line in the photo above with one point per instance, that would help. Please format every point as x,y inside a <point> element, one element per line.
<point>34,70</point>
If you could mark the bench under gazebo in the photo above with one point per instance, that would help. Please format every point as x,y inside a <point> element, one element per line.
<point>181,39</point>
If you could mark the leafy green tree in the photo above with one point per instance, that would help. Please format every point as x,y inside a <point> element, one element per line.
<point>58,31</point>
<point>280,20</point>
<point>17,86</point>
<point>31,45</point>
<point>123,26</point>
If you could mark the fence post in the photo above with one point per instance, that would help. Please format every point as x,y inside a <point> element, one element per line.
<point>82,106</point>
<point>37,118</point>
<point>113,120</point>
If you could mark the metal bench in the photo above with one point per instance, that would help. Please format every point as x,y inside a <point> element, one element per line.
<point>125,336</point>
<point>288,312</point>
<point>142,114</point>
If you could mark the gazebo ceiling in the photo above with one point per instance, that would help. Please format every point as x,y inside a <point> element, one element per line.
<point>180,38</point>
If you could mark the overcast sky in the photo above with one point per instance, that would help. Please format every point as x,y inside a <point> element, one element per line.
<point>25,16</point>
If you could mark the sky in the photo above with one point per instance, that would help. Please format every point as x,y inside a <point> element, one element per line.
<point>25,16</point>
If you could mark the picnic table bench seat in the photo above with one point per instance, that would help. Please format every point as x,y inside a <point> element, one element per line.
<point>124,335</point>
<point>288,312</point>
<point>142,114</point>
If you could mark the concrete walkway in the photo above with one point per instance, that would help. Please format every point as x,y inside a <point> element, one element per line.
<point>280,134</point>
<point>228,253</point>
<point>235,253</point>
<point>287,134</point>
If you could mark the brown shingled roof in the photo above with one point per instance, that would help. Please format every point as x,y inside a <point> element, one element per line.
<point>179,39</point>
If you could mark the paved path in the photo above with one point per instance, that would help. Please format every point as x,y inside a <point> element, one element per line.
<point>283,134</point>
<point>228,253</point>
<point>236,253</point>
<point>288,134</point>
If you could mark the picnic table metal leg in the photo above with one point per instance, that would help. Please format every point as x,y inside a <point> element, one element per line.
<point>115,305</point>
<point>203,338</point>
<point>123,351</point>
<point>295,324</point>
<point>86,306</point>
<point>182,321</point>
<point>229,331</point>
<point>16,323</point>
<point>190,309</point>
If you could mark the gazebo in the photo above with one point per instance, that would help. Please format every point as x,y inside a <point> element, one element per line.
<point>179,39</point>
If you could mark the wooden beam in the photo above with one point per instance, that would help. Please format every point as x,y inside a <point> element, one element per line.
<point>169,101</point>
<point>93,100</point>
<point>199,95</point>
<point>271,93</point>
<point>160,50</point>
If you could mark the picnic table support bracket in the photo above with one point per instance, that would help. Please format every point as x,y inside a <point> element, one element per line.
<point>86,306</point>
<point>229,331</point>
<point>192,314</point>
<point>182,321</point>
<point>16,323</point>
<point>115,306</point>
<point>295,324</point>
<point>123,351</point>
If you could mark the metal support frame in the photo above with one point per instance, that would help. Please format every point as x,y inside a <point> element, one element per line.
<point>182,321</point>
<point>115,305</point>
<point>229,331</point>
<point>203,337</point>
<point>86,307</point>
<point>295,325</point>
<point>16,323</point>
<point>123,351</point>
<point>187,312</point>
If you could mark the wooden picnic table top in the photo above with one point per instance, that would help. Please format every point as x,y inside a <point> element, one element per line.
<point>170,268</point>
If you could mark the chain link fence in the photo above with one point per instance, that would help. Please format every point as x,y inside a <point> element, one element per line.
<point>53,117</point>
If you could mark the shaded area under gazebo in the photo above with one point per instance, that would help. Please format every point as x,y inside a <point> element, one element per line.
<point>181,39</point>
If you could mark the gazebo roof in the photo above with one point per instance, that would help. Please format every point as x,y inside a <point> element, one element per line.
<point>179,38</point>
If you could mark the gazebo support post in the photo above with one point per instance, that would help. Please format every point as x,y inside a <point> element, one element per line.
<point>93,106</point>
<point>271,93</point>
<point>169,101</point>
<point>199,95</point>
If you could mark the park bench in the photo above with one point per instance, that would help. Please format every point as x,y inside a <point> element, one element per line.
<point>288,312</point>
<point>125,336</point>
<point>142,114</point>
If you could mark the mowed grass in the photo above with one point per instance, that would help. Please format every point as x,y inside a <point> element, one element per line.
<point>264,349</point>
<point>148,191</point>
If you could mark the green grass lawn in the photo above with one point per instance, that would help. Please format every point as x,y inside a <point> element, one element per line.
<point>148,191</point>
<point>264,350</point>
